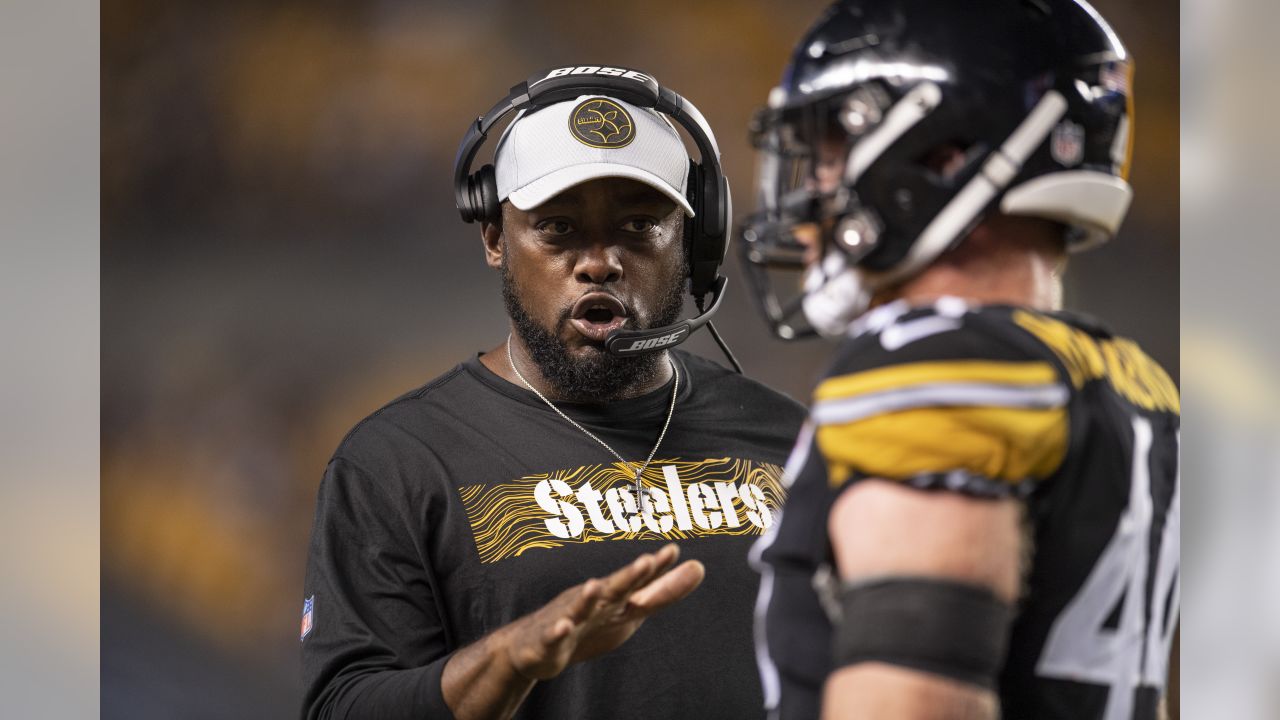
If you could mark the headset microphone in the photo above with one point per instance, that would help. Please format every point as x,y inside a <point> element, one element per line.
<point>638,342</point>
<point>626,343</point>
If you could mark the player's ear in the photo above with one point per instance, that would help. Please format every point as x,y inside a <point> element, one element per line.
<point>491,235</point>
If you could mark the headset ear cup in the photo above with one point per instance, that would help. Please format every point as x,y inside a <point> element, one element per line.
<point>467,205</point>
<point>707,244</point>
<point>490,210</point>
<point>724,207</point>
<point>693,226</point>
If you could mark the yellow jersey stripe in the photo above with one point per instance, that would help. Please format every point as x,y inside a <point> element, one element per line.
<point>999,443</point>
<point>948,371</point>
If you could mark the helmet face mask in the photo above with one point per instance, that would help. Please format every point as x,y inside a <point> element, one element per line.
<point>901,124</point>
<point>802,156</point>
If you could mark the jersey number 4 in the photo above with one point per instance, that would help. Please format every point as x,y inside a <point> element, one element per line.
<point>1135,653</point>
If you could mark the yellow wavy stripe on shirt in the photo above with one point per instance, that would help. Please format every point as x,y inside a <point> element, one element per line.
<point>506,521</point>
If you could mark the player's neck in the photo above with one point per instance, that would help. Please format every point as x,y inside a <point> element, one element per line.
<point>1025,279</point>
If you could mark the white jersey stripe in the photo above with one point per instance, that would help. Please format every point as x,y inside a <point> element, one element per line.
<point>770,683</point>
<point>845,410</point>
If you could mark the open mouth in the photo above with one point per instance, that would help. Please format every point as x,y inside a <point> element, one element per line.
<point>597,314</point>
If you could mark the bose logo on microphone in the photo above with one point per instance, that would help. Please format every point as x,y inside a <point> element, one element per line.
<point>598,70</point>
<point>657,342</point>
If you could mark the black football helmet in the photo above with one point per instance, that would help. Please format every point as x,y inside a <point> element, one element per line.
<point>1030,98</point>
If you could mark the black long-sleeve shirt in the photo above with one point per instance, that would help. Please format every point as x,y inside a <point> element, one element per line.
<point>468,503</point>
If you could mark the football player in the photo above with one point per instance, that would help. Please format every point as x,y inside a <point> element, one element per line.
<point>983,517</point>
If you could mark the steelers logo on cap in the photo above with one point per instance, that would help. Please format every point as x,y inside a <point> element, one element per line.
<point>601,123</point>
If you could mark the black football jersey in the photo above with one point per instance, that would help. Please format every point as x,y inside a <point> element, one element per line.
<point>997,401</point>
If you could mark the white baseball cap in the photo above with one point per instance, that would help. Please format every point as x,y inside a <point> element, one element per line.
<point>548,151</point>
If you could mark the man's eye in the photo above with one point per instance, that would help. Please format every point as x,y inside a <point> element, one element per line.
<point>555,227</point>
<point>639,225</point>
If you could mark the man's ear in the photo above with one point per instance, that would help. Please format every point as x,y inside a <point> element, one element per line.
<point>491,235</point>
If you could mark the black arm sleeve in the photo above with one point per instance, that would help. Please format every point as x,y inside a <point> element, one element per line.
<point>377,646</point>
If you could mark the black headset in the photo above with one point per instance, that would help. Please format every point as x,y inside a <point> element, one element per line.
<point>706,234</point>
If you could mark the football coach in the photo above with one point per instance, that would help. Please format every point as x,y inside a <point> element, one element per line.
<point>505,541</point>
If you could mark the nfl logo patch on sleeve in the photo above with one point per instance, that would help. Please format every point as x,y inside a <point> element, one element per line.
<point>308,606</point>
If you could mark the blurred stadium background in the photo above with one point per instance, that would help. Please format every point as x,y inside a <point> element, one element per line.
<point>281,255</point>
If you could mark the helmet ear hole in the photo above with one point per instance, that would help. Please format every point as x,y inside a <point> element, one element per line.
<point>947,159</point>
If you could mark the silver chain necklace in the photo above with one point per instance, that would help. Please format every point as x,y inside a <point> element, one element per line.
<point>675,390</point>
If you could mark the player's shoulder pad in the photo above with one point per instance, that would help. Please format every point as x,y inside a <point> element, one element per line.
<point>1087,352</point>
<point>944,395</point>
<point>947,330</point>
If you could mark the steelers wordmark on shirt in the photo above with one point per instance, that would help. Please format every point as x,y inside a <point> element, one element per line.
<point>686,499</point>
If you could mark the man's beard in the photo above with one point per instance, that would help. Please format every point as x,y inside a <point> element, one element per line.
<point>598,376</point>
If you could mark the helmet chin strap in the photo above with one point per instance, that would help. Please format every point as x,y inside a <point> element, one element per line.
<point>835,293</point>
